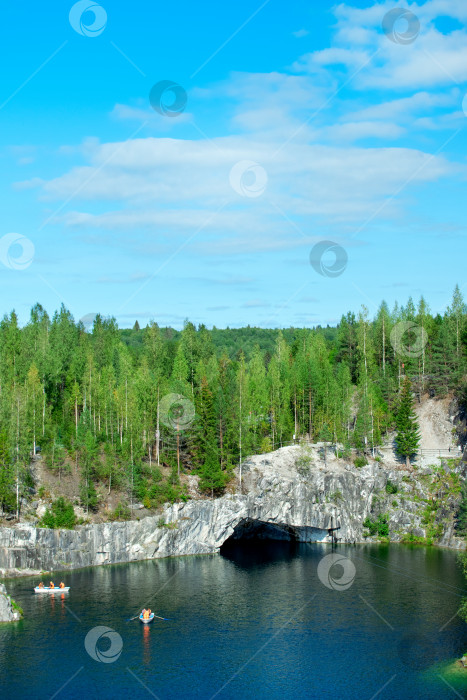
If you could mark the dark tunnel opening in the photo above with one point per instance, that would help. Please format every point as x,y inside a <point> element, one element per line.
<point>259,530</point>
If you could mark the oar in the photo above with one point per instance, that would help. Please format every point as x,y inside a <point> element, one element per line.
<point>158,616</point>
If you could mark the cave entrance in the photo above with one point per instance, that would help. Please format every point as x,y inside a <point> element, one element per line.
<point>254,542</point>
<point>259,530</point>
<point>251,531</point>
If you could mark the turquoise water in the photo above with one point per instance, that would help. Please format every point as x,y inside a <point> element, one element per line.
<point>254,622</point>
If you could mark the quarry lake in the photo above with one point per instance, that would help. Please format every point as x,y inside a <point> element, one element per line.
<point>258,621</point>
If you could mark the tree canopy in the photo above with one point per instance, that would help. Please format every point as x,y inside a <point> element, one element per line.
<point>102,399</point>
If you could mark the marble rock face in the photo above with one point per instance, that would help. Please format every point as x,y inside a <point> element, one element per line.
<point>7,612</point>
<point>279,497</point>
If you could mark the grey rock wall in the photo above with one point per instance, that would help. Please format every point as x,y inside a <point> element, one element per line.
<point>7,613</point>
<point>300,506</point>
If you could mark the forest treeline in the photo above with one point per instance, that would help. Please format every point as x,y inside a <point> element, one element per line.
<point>194,401</point>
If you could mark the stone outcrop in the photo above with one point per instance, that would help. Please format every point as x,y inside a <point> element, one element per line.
<point>7,612</point>
<point>292,493</point>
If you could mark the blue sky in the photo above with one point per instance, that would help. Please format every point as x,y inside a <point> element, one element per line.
<point>303,123</point>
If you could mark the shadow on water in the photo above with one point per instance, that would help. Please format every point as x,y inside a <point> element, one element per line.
<point>256,552</point>
<point>258,622</point>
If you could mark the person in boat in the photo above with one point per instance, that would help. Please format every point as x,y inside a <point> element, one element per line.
<point>146,614</point>
<point>41,585</point>
<point>51,584</point>
<point>62,585</point>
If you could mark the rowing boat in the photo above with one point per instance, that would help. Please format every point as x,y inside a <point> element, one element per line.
<point>47,589</point>
<point>146,622</point>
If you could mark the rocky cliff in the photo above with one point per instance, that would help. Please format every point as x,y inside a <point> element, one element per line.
<point>7,611</point>
<point>293,493</point>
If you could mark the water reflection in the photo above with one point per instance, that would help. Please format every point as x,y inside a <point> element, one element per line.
<point>146,645</point>
<point>252,553</point>
<point>224,609</point>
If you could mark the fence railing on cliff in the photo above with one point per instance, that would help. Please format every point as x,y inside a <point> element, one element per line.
<point>454,451</point>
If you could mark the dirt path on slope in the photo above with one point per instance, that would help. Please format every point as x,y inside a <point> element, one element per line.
<point>435,426</point>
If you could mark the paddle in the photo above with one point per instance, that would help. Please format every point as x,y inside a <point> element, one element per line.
<point>158,616</point>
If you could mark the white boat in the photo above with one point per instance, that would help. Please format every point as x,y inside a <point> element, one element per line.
<point>146,622</point>
<point>47,589</point>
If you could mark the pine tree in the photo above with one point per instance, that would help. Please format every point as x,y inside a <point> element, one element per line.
<point>180,369</point>
<point>7,480</point>
<point>212,478</point>
<point>89,457</point>
<point>408,434</point>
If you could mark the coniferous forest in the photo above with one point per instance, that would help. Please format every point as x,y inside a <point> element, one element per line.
<point>136,410</point>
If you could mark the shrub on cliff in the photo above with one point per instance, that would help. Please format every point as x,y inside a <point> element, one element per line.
<point>378,527</point>
<point>360,462</point>
<point>60,515</point>
<point>121,512</point>
<point>461,515</point>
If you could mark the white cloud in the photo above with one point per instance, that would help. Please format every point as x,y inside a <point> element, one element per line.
<point>300,33</point>
<point>256,304</point>
<point>116,279</point>
<point>168,188</point>
<point>299,128</point>
<point>433,59</point>
<point>354,131</point>
<point>145,114</point>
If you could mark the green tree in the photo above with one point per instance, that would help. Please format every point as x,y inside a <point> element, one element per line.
<point>212,477</point>
<point>408,434</point>
<point>60,515</point>
<point>461,515</point>
<point>88,461</point>
<point>7,476</point>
